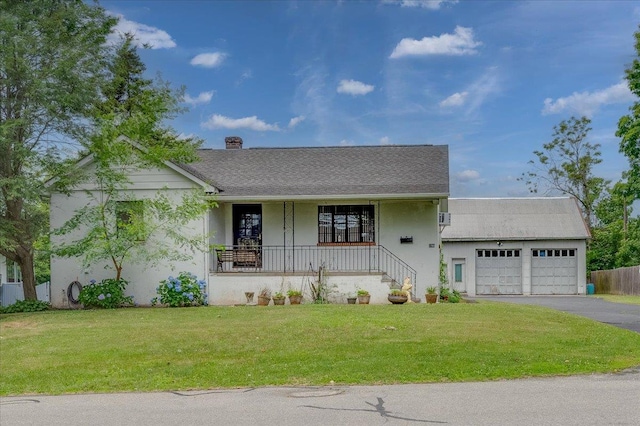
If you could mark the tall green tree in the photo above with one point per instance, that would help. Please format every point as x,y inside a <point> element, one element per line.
<point>131,133</point>
<point>629,125</point>
<point>566,165</point>
<point>51,62</point>
<point>615,236</point>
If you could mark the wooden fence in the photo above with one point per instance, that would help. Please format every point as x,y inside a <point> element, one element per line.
<point>617,281</point>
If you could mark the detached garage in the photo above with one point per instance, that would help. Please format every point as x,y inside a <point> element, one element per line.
<point>508,246</point>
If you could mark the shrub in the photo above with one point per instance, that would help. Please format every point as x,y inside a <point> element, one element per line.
<point>107,294</point>
<point>455,297</point>
<point>292,292</point>
<point>186,290</point>
<point>25,306</point>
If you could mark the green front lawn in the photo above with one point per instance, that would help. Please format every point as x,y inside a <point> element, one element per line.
<point>211,347</point>
<point>630,300</point>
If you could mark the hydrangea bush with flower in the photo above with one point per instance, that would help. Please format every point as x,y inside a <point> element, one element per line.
<point>185,290</point>
<point>109,293</point>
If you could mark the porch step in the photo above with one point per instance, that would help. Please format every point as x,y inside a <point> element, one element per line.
<point>390,281</point>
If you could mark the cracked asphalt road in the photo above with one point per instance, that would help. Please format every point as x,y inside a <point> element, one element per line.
<point>607,399</point>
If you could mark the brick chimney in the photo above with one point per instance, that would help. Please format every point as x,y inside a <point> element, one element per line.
<point>233,142</point>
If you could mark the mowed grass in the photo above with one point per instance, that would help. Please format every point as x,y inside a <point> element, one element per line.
<point>218,347</point>
<point>630,300</point>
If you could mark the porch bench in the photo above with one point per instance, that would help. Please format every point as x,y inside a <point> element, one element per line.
<point>239,258</point>
<point>223,256</point>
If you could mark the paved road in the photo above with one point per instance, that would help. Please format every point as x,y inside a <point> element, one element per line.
<point>611,399</point>
<point>617,314</point>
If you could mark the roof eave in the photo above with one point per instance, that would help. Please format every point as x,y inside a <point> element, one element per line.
<point>244,198</point>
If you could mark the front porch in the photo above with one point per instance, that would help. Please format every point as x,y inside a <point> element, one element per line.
<point>344,268</point>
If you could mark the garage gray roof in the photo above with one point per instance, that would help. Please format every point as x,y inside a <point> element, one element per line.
<point>474,219</point>
<point>326,171</point>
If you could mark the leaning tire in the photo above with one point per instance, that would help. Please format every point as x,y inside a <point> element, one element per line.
<point>70,289</point>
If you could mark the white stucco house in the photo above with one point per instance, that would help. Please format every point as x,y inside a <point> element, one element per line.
<point>366,216</point>
<point>9,271</point>
<point>501,246</point>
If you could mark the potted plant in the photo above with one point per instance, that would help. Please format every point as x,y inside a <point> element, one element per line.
<point>295,296</point>
<point>397,297</point>
<point>278,298</point>
<point>264,296</point>
<point>431,296</point>
<point>444,293</point>
<point>351,299</point>
<point>363,297</point>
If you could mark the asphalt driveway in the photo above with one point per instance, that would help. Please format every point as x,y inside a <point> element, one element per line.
<point>617,314</point>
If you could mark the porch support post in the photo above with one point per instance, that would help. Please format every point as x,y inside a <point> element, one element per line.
<point>288,257</point>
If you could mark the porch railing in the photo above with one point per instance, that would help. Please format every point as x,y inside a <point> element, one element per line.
<point>281,259</point>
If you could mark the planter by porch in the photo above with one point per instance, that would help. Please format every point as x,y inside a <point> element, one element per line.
<point>364,299</point>
<point>295,299</point>
<point>431,298</point>
<point>351,300</point>
<point>397,299</point>
<point>278,300</point>
<point>263,300</point>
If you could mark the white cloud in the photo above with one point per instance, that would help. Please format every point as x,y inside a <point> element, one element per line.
<point>426,4</point>
<point>457,44</point>
<point>385,140</point>
<point>586,103</point>
<point>247,74</point>
<point>209,60</point>
<point>217,121</point>
<point>346,142</point>
<point>486,86</point>
<point>143,34</point>
<point>467,175</point>
<point>183,136</point>
<point>457,99</point>
<point>295,121</point>
<point>353,87</point>
<point>202,98</point>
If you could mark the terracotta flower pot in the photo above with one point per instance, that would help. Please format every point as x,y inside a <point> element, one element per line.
<point>351,300</point>
<point>278,301</point>
<point>431,298</point>
<point>295,299</point>
<point>263,300</point>
<point>364,300</point>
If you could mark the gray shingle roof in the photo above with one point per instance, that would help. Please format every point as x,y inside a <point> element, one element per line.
<point>514,219</point>
<point>327,171</point>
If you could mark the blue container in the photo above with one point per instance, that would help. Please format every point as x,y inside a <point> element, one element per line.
<point>591,289</point>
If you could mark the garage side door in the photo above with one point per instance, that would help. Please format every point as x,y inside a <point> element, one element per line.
<point>498,272</point>
<point>554,271</point>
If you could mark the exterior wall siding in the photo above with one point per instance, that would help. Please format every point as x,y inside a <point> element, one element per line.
<point>143,279</point>
<point>3,269</point>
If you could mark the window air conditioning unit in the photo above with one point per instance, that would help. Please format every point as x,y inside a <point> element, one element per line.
<point>444,219</point>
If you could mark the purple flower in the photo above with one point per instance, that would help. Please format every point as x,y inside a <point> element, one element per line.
<point>101,297</point>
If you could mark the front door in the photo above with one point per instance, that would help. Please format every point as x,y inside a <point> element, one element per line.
<point>247,233</point>
<point>247,224</point>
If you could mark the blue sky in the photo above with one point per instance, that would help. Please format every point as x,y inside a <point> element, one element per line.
<point>489,79</point>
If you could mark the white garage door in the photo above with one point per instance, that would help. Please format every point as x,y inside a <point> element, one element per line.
<point>498,272</point>
<point>554,271</point>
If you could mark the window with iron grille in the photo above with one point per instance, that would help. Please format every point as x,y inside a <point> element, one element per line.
<point>346,224</point>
